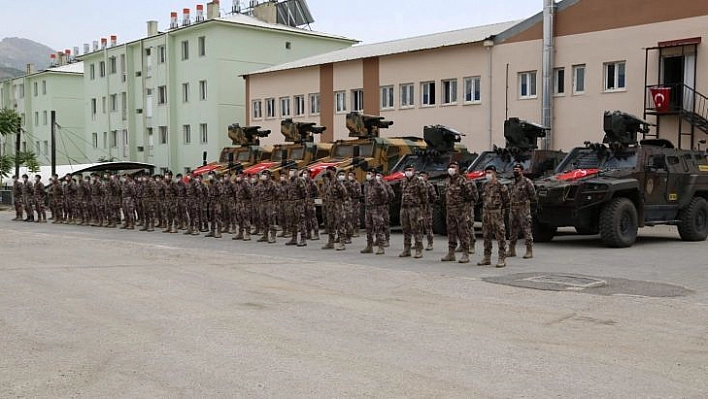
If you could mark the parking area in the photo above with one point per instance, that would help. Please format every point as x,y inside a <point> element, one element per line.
<point>95,312</point>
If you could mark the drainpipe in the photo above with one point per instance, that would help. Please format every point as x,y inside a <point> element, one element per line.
<point>547,106</point>
<point>488,44</point>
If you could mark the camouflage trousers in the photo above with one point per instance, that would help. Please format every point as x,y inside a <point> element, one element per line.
<point>149,206</point>
<point>282,214</point>
<point>353,208</point>
<point>203,214</point>
<point>375,224</point>
<point>56,206</point>
<point>428,222</point>
<point>216,222</point>
<point>169,213</point>
<point>297,221</point>
<point>69,209</point>
<point>339,215</point>
<point>493,227</point>
<point>194,211</point>
<point>181,216</point>
<point>40,208</point>
<point>267,217</point>
<point>242,213</point>
<point>97,210</point>
<point>412,224</point>
<point>329,219</point>
<point>129,211</point>
<point>313,225</point>
<point>18,208</point>
<point>257,212</point>
<point>140,210</point>
<point>227,207</point>
<point>458,227</point>
<point>387,222</point>
<point>29,209</point>
<point>520,223</point>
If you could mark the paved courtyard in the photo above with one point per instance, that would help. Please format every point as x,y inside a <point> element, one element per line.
<point>95,312</point>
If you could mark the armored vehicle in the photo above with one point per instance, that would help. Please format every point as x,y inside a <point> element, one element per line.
<point>521,147</point>
<point>246,150</point>
<point>615,187</point>
<point>301,151</point>
<point>443,147</point>
<point>367,149</point>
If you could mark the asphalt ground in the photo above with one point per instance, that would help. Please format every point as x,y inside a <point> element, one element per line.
<point>97,312</point>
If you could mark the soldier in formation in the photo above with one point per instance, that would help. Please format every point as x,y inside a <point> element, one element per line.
<point>460,195</point>
<point>376,199</point>
<point>495,201</point>
<point>521,193</point>
<point>17,195</point>
<point>413,196</point>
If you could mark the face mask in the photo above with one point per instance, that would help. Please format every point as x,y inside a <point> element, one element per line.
<point>264,178</point>
<point>489,176</point>
<point>369,177</point>
<point>341,177</point>
<point>253,180</point>
<point>409,174</point>
<point>238,179</point>
<point>451,171</point>
<point>379,177</point>
<point>352,178</point>
<point>282,178</point>
<point>291,173</point>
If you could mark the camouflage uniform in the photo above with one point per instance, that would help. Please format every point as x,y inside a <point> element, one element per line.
<point>71,203</point>
<point>298,199</point>
<point>160,196</point>
<point>17,198</point>
<point>113,189</point>
<point>193,207</point>
<point>353,208</point>
<point>227,205</point>
<point>97,202</point>
<point>256,207</point>
<point>284,208</point>
<point>428,205</point>
<point>203,201</point>
<point>267,196</point>
<point>182,216</point>
<point>328,209</point>
<point>387,213</point>
<point>149,202</point>
<point>215,194</point>
<point>339,195</point>
<point>413,193</point>
<point>128,195</point>
<point>139,193</point>
<point>40,198</point>
<point>243,193</point>
<point>56,201</point>
<point>375,204</point>
<point>521,193</point>
<point>27,198</point>
<point>313,225</point>
<point>460,193</point>
<point>495,202</point>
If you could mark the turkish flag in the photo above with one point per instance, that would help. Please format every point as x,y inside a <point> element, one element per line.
<point>661,96</point>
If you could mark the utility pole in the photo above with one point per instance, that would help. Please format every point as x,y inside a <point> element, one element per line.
<point>54,142</point>
<point>17,153</point>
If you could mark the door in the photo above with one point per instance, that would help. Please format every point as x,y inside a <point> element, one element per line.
<point>674,77</point>
<point>689,79</point>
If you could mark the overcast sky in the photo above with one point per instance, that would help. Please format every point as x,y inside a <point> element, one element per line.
<point>68,23</point>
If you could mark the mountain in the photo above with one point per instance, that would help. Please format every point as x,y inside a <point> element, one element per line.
<point>16,53</point>
<point>7,73</point>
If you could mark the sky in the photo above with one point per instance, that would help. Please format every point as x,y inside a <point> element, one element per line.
<point>69,23</point>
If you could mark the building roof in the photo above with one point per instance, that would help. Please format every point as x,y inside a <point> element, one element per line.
<point>74,67</point>
<point>407,45</point>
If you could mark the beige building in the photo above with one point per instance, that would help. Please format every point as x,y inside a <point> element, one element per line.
<point>605,55</point>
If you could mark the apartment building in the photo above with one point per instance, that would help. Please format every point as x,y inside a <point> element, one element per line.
<point>168,98</point>
<point>606,55</point>
<point>34,96</point>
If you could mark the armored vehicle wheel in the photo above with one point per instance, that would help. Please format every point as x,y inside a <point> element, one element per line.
<point>618,223</point>
<point>542,232</point>
<point>693,225</point>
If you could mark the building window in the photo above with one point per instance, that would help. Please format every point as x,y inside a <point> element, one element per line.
<point>473,92</point>
<point>427,90</point>
<point>45,145</point>
<point>615,78</point>
<point>161,54</point>
<point>163,134</point>
<point>202,90</point>
<point>44,87</point>
<point>114,138</point>
<point>114,102</point>
<point>112,65</point>
<point>299,105</point>
<point>162,95</point>
<point>203,133</point>
<point>44,118</point>
<point>103,104</point>
<point>357,100</point>
<point>35,89</point>
<point>151,138</point>
<point>37,148</point>
<point>36,118</point>
<point>407,95</point>
<point>185,92</point>
<point>559,81</point>
<point>102,69</point>
<point>125,143</point>
<point>578,79</point>
<point>201,43</point>
<point>285,106</point>
<point>340,101</point>
<point>187,134</point>
<point>94,140</point>
<point>92,71</point>
<point>270,107</point>
<point>105,139</point>
<point>449,92</point>
<point>257,106</point>
<point>124,106</point>
<point>315,104</point>
<point>93,109</point>
<point>185,50</point>
<point>124,77</point>
<point>387,97</point>
<point>527,84</point>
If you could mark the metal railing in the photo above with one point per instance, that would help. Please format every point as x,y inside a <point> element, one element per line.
<point>682,99</point>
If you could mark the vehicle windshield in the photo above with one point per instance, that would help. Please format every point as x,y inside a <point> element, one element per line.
<point>244,155</point>
<point>588,158</point>
<point>422,162</point>
<point>503,164</point>
<point>276,155</point>
<point>297,154</point>
<point>344,150</point>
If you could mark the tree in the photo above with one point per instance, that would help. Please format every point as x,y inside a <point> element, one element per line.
<point>28,159</point>
<point>10,122</point>
<point>6,164</point>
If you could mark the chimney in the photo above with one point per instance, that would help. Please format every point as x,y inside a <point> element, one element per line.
<point>114,40</point>
<point>30,69</point>
<point>76,52</point>
<point>87,48</point>
<point>62,58</point>
<point>67,54</point>
<point>52,60</point>
<point>173,20</point>
<point>95,45</point>
<point>266,12</point>
<point>151,28</point>
<point>186,20</point>
<point>104,43</point>
<point>200,13</point>
<point>213,10</point>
